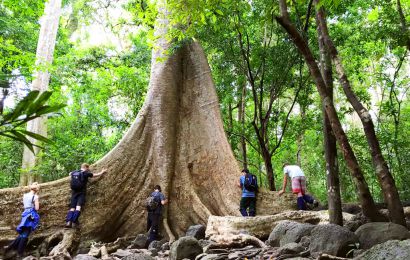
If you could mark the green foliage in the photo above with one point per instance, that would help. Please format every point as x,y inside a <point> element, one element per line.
<point>12,123</point>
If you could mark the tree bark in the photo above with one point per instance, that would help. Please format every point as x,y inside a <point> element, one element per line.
<point>403,24</point>
<point>390,193</point>
<point>366,200</point>
<point>44,57</point>
<point>329,141</point>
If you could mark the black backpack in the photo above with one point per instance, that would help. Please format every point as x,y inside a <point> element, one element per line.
<point>153,202</point>
<point>78,181</point>
<point>250,183</point>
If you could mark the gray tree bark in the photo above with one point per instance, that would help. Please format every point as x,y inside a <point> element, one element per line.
<point>44,57</point>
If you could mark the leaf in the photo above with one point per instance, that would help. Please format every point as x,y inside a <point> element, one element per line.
<point>21,106</point>
<point>19,139</point>
<point>36,136</point>
<point>41,100</point>
<point>49,109</point>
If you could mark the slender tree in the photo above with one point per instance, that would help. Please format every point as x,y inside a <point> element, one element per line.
<point>332,168</point>
<point>44,57</point>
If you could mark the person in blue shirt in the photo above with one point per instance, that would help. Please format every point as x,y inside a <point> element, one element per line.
<point>154,214</point>
<point>248,200</point>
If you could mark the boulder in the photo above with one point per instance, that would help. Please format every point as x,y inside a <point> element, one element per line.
<point>140,241</point>
<point>393,249</point>
<point>156,244</point>
<point>374,233</point>
<point>332,239</point>
<point>287,232</point>
<point>291,248</point>
<point>185,247</point>
<point>197,231</point>
<point>261,226</point>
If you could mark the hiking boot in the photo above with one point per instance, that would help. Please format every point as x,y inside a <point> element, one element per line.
<point>68,225</point>
<point>315,203</point>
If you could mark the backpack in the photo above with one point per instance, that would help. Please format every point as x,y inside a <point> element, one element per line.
<point>77,180</point>
<point>153,202</point>
<point>250,183</point>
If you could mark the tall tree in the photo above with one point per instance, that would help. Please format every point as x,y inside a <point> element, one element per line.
<point>332,168</point>
<point>44,57</point>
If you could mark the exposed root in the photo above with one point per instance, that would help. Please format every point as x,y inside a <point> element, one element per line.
<point>64,242</point>
<point>239,240</point>
<point>168,230</point>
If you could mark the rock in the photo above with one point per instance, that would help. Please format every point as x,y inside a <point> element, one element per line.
<point>291,248</point>
<point>332,239</point>
<point>305,241</point>
<point>197,231</point>
<point>261,226</point>
<point>140,241</point>
<point>353,225</point>
<point>204,243</point>
<point>154,251</point>
<point>393,249</point>
<point>210,257</point>
<point>358,252</point>
<point>287,232</point>
<point>165,246</point>
<point>138,257</point>
<point>120,253</point>
<point>30,258</point>
<point>155,244</point>
<point>185,247</point>
<point>84,257</point>
<point>374,233</point>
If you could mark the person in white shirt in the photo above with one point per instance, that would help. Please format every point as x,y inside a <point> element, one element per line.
<point>29,220</point>
<point>298,181</point>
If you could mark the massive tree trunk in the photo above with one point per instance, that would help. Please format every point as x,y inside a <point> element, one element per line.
<point>44,57</point>
<point>177,141</point>
<point>365,197</point>
<point>329,140</point>
<point>390,193</point>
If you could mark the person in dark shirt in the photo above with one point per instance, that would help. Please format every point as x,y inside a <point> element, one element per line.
<point>248,199</point>
<point>154,215</point>
<point>78,193</point>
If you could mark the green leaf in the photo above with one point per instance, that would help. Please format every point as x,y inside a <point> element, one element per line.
<point>20,138</point>
<point>36,136</point>
<point>21,106</point>
<point>41,100</point>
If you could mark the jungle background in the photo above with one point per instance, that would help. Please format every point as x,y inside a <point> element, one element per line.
<point>101,67</point>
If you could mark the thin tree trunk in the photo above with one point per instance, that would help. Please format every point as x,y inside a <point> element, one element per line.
<point>241,119</point>
<point>390,193</point>
<point>332,168</point>
<point>365,197</point>
<point>44,57</point>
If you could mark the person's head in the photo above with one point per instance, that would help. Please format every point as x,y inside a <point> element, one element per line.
<point>285,164</point>
<point>245,171</point>
<point>85,167</point>
<point>35,187</point>
<point>157,187</point>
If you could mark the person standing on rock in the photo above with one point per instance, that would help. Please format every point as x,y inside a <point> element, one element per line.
<point>154,204</point>
<point>79,180</point>
<point>29,220</point>
<point>249,185</point>
<point>298,181</point>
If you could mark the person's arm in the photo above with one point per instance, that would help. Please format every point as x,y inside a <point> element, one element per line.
<point>36,204</point>
<point>285,181</point>
<point>104,170</point>
<point>163,200</point>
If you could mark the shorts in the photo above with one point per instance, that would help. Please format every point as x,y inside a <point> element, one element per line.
<point>299,185</point>
<point>77,198</point>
